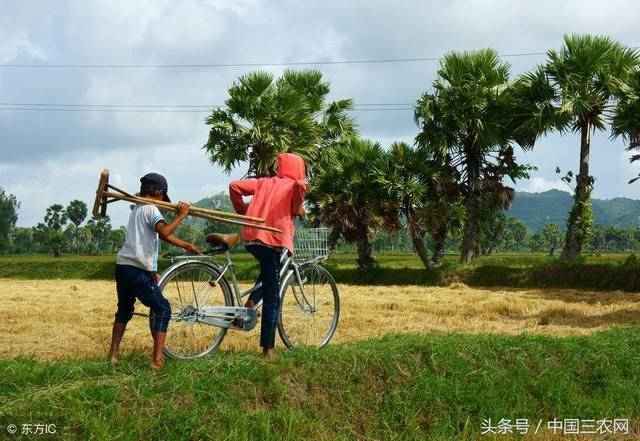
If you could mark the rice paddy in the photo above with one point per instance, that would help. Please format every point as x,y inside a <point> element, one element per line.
<point>54,319</point>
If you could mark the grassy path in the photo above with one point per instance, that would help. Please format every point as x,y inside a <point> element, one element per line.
<point>428,387</point>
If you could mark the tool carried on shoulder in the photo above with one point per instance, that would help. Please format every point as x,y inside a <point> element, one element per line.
<point>104,197</point>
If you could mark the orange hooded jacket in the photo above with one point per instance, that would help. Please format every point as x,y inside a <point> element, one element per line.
<point>277,199</point>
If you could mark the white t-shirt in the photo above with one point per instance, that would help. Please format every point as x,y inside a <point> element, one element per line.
<point>140,247</point>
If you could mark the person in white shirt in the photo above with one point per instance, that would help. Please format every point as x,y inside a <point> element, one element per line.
<point>137,263</point>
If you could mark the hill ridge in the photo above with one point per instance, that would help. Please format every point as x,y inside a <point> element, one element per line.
<point>552,206</point>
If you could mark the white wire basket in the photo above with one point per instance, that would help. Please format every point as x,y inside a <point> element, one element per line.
<point>311,244</point>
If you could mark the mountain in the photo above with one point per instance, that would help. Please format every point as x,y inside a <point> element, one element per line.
<point>536,209</point>
<point>532,209</point>
<point>218,202</point>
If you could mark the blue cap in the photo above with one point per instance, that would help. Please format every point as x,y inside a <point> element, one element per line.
<point>153,181</point>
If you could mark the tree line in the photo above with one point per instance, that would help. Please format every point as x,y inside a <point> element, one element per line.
<point>61,230</point>
<point>509,235</point>
<point>451,182</point>
<point>452,179</point>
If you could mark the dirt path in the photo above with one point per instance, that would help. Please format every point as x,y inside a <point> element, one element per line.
<point>72,318</point>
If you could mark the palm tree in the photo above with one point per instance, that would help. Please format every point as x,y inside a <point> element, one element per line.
<point>8,217</point>
<point>576,91</point>
<point>77,212</point>
<point>55,219</point>
<point>407,176</point>
<point>493,232</point>
<point>626,116</point>
<point>552,237</point>
<point>265,117</point>
<point>344,194</point>
<point>517,230</point>
<point>469,119</point>
<point>443,213</point>
<point>100,227</point>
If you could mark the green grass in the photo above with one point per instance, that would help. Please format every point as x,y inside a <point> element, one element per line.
<point>606,272</point>
<point>527,270</point>
<point>427,387</point>
<point>44,267</point>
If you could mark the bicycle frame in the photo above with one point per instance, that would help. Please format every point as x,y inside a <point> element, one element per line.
<point>207,300</point>
<point>221,316</point>
<point>287,267</point>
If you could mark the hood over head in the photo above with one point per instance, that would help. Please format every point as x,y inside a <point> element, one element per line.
<point>290,166</point>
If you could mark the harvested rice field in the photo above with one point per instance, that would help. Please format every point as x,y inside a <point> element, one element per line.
<point>56,319</point>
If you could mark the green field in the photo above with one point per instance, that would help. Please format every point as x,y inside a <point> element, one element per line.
<point>606,272</point>
<point>427,387</point>
<point>437,386</point>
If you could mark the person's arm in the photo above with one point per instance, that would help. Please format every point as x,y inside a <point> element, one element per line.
<point>165,231</point>
<point>237,189</point>
<point>299,190</point>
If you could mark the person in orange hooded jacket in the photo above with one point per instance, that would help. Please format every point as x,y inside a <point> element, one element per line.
<point>278,200</point>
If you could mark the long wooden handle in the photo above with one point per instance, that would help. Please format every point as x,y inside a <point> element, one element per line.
<point>226,214</point>
<point>193,211</point>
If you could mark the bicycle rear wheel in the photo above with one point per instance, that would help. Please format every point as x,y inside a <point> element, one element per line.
<point>309,318</point>
<point>189,287</point>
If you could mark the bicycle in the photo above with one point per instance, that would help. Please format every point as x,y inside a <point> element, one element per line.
<point>204,306</point>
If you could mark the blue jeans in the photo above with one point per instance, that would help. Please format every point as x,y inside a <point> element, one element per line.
<point>269,260</point>
<point>132,283</point>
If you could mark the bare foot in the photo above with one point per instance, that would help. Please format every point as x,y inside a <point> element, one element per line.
<point>269,352</point>
<point>156,364</point>
<point>251,304</point>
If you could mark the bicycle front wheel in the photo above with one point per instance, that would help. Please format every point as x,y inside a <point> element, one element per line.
<point>189,287</point>
<point>309,312</point>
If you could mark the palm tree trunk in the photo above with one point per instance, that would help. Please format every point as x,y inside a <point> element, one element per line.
<point>334,236</point>
<point>438,253</point>
<point>439,237</point>
<point>471,228</point>
<point>574,238</point>
<point>418,241</point>
<point>365,260</point>
<point>472,202</point>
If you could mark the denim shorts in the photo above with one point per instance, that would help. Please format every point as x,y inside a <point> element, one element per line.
<point>134,283</point>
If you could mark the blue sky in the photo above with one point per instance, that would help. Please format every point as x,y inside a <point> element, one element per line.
<point>57,156</point>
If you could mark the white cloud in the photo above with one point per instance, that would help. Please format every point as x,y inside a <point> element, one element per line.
<point>538,184</point>
<point>239,7</point>
<point>189,26</point>
<point>153,125</point>
<point>103,31</point>
<point>212,189</point>
<point>75,176</point>
<point>71,148</point>
<point>17,44</point>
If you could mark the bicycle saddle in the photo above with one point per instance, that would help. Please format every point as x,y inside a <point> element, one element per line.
<point>226,239</point>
